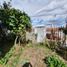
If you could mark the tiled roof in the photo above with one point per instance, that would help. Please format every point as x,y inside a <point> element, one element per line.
<point>50,29</point>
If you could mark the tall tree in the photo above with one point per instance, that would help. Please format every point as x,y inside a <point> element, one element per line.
<point>65,33</point>
<point>15,21</point>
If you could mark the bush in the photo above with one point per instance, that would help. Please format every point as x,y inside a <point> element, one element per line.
<point>51,44</point>
<point>54,61</point>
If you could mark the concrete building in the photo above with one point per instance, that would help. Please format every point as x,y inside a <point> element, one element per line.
<point>40,32</point>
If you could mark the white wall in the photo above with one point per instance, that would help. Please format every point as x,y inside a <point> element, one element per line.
<point>41,33</point>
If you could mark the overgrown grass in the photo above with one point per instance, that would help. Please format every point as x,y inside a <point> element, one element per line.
<point>15,57</point>
<point>5,59</point>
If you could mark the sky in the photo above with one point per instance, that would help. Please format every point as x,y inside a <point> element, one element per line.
<point>43,12</point>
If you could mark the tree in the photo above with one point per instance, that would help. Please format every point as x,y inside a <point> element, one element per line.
<point>15,21</point>
<point>64,29</point>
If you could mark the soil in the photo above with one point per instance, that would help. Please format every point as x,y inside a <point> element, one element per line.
<point>35,56</point>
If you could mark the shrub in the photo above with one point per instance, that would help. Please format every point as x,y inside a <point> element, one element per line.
<point>54,61</point>
<point>51,44</point>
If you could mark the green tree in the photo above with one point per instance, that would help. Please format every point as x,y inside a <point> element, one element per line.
<point>15,21</point>
<point>65,32</point>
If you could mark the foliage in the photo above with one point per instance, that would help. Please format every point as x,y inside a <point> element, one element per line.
<point>14,20</point>
<point>12,53</point>
<point>54,61</point>
<point>65,31</point>
<point>16,58</point>
<point>7,56</point>
<point>51,44</point>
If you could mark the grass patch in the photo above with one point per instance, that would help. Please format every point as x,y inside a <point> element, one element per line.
<point>15,57</point>
<point>4,60</point>
<point>54,61</point>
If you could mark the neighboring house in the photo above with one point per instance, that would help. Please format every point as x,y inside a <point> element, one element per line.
<point>40,33</point>
<point>54,33</point>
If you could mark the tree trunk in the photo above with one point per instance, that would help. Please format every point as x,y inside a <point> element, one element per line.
<point>19,41</point>
<point>16,40</point>
<point>65,39</point>
<point>25,38</point>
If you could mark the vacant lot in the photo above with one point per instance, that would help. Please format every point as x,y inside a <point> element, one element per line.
<point>35,54</point>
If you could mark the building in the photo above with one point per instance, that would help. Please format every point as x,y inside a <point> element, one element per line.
<point>40,33</point>
<point>37,34</point>
<point>54,33</point>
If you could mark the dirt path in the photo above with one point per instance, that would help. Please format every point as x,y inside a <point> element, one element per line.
<point>35,56</point>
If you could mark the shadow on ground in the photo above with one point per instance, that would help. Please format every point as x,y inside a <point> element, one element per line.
<point>5,45</point>
<point>28,64</point>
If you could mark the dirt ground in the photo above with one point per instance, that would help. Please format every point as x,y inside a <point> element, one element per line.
<point>35,56</point>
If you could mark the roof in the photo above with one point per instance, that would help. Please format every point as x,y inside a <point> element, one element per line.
<point>54,29</point>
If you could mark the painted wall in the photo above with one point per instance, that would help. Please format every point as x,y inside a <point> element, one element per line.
<point>41,33</point>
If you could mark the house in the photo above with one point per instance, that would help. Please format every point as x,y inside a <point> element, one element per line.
<point>54,33</point>
<point>40,33</point>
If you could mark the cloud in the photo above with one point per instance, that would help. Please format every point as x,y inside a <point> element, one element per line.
<point>56,7</point>
<point>30,6</point>
<point>55,11</point>
<point>42,12</point>
<point>57,21</point>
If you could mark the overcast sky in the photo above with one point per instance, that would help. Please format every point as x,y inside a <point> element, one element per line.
<point>43,12</point>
